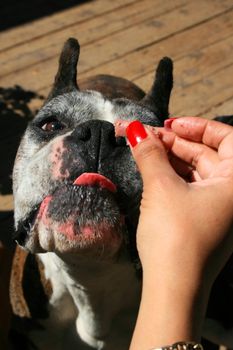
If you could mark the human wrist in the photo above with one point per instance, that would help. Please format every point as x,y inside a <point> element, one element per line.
<point>189,280</point>
<point>165,267</point>
<point>173,287</point>
<point>185,300</point>
<point>169,313</point>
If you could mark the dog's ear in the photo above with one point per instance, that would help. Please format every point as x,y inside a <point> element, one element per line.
<point>65,80</point>
<point>157,99</point>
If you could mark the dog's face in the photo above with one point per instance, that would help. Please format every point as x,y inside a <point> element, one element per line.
<point>76,186</point>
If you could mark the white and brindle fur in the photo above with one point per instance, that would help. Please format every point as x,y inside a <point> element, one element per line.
<point>83,235</point>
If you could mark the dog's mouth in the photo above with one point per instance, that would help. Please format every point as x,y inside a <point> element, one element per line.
<point>80,214</point>
<point>95,179</point>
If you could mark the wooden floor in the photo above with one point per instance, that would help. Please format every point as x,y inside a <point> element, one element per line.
<point>124,38</point>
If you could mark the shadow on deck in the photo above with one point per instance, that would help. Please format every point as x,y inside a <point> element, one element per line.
<point>14,13</point>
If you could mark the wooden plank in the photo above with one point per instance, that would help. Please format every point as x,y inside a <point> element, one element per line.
<point>152,31</point>
<point>6,202</point>
<point>41,75</point>
<point>202,63</point>
<point>139,65</point>
<point>225,108</point>
<point>47,47</point>
<point>59,21</point>
<point>197,65</point>
<point>198,98</point>
<point>208,97</point>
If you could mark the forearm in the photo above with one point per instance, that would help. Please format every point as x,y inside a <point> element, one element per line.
<point>168,313</point>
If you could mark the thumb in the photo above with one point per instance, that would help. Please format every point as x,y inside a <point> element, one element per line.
<point>149,153</point>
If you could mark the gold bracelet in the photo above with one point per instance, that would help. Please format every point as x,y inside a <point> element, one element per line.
<point>181,345</point>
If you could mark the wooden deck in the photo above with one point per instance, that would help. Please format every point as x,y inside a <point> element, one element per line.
<point>124,38</point>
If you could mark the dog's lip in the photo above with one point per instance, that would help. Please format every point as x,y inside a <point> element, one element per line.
<point>85,179</point>
<point>95,179</point>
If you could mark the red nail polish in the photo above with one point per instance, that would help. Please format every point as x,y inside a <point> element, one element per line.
<point>135,133</point>
<point>168,123</point>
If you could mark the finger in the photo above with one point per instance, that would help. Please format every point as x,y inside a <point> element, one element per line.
<point>181,168</point>
<point>187,172</point>
<point>200,157</point>
<point>195,176</point>
<point>196,155</point>
<point>150,154</point>
<point>210,132</point>
<point>120,127</point>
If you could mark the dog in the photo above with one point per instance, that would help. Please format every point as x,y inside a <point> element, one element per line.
<point>76,284</point>
<point>77,194</point>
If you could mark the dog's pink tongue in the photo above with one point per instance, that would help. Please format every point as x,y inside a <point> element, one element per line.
<point>94,179</point>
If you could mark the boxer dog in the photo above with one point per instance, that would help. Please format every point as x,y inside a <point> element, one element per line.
<point>77,194</point>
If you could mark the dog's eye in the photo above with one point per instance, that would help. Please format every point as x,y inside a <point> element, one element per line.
<point>52,125</point>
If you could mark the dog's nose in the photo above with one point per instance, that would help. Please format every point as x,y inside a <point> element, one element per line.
<point>94,130</point>
<point>96,138</point>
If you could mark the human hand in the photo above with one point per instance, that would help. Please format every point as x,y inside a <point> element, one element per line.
<point>183,236</point>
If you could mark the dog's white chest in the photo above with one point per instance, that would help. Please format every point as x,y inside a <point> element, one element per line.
<point>88,311</point>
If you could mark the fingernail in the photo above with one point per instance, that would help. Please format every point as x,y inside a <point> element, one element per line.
<point>135,133</point>
<point>168,123</point>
